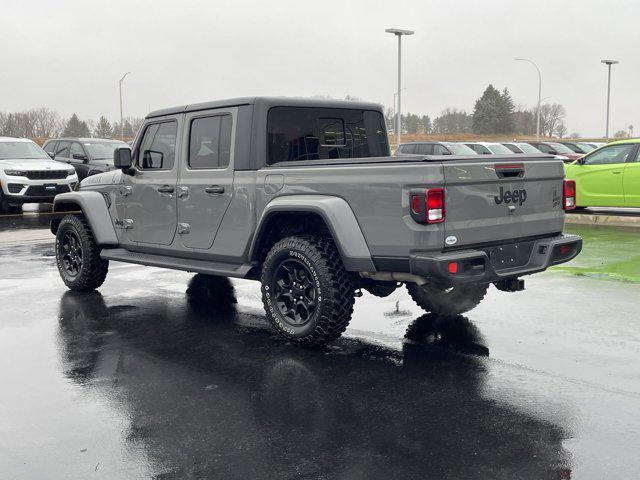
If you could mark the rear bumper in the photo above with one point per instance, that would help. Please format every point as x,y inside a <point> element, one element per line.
<point>491,264</point>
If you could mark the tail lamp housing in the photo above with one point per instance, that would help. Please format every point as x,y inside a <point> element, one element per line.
<point>569,195</point>
<point>427,206</point>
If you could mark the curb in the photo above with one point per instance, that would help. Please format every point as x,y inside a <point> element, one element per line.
<point>610,220</point>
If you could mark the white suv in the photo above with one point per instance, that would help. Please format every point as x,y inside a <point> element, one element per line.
<point>28,175</point>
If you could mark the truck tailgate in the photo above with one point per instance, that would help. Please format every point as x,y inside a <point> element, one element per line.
<point>498,198</point>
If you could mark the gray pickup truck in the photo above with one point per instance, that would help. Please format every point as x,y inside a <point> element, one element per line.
<point>304,196</point>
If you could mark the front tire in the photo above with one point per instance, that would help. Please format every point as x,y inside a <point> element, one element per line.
<point>447,301</point>
<point>306,290</point>
<point>78,255</point>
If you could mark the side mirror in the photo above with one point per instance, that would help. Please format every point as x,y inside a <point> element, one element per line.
<point>80,156</point>
<point>446,152</point>
<point>122,158</point>
<point>51,154</point>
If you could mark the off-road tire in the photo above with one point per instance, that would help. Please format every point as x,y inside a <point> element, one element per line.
<point>328,279</point>
<point>93,269</point>
<point>453,301</point>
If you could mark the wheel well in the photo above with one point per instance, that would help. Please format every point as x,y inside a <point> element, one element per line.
<point>283,224</point>
<point>63,207</point>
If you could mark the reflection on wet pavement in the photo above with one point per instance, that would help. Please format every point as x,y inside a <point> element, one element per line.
<point>209,399</point>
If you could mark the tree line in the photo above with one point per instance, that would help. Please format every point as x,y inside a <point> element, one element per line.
<point>494,113</point>
<point>46,123</point>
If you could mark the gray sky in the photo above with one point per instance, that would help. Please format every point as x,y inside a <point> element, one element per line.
<point>68,55</point>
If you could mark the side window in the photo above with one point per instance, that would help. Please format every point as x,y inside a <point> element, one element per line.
<point>407,148</point>
<point>440,150</point>
<point>76,149</point>
<point>544,148</point>
<point>62,150</point>
<point>210,142</point>
<point>158,147</point>
<point>424,149</point>
<point>50,147</point>
<point>610,155</point>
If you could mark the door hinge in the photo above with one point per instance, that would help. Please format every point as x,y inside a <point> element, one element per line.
<point>126,191</point>
<point>183,228</point>
<point>125,223</point>
<point>183,192</point>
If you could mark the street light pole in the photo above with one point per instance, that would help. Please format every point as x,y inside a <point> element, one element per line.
<point>395,94</point>
<point>399,33</point>
<point>121,118</point>
<point>608,63</point>
<point>539,94</point>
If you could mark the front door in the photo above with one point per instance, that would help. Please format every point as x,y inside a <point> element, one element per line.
<point>205,187</point>
<point>79,160</point>
<point>631,182</point>
<point>599,178</point>
<point>150,193</point>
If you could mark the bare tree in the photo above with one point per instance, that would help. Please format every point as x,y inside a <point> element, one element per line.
<point>46,122</point>
<point>561,129</point>
<point>550,117</point>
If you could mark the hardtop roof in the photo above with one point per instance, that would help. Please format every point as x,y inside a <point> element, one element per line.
<point>267,102</point>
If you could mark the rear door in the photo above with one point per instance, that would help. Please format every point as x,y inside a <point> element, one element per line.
<point>206,177</point>
<point>599,178</point>
<point>631,182</point>
<point>150,194</point>
<point>503,199</point>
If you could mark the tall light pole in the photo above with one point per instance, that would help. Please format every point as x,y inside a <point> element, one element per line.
<point>608,63</point>
<point>539,94</point>
<point>399,33</point>
<point>121,119</point>
<point>395,94</point>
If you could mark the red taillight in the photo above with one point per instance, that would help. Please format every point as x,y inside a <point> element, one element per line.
<point>434,204</point>
<point>569,195</point>
<point>453,268</point>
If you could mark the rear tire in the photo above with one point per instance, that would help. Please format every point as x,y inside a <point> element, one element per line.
<point>78,255</point>
<point>306,290</point>
<point>451,301</point>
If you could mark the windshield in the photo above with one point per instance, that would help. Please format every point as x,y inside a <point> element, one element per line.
<point>459,149</point>
<point>526,148</point>
<point>21,151</point>
<point>499,149</point>
<point>558,147</point>
<point>585,147</point>
<point>103,150</point>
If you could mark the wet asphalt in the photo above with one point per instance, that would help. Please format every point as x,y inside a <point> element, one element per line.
<point>171,375</point>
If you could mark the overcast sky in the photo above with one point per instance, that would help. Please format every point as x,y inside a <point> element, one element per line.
<point>68,55</point>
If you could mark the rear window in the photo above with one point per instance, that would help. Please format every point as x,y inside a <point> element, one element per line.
<point>305,133</point>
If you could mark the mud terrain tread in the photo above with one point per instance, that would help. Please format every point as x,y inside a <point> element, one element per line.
<point>338,292</point>
<point>94,269</point>
<point>462,299</point>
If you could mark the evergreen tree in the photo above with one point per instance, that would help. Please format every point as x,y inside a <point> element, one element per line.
<point>76,128</point>
<point>488,112</point>
<point>506,114</point>
<point>103,129</point>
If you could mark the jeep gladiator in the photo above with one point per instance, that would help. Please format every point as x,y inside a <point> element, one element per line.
<point>304,196</point>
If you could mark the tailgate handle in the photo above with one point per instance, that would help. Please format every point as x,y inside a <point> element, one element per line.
<point>510,170</point>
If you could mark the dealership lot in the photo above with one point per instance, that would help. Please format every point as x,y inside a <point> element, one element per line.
<point>143,380</point>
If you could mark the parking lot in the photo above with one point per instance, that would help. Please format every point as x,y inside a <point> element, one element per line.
<point>148,378</point>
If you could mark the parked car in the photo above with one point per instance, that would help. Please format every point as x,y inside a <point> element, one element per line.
<point>556,148</point>
<point>434,148</point>
<point>28,175</point>
<point>87,155</point>
<point>488,148</point>
<point>608,176</point>
<point>578,147</point>
<point>303,196</point>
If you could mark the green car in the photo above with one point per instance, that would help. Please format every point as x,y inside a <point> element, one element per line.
<point>608,176</point>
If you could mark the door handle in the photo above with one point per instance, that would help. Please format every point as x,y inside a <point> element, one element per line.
<point>166,189</point>
<point>214,190</point>
<point>616,173</point>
